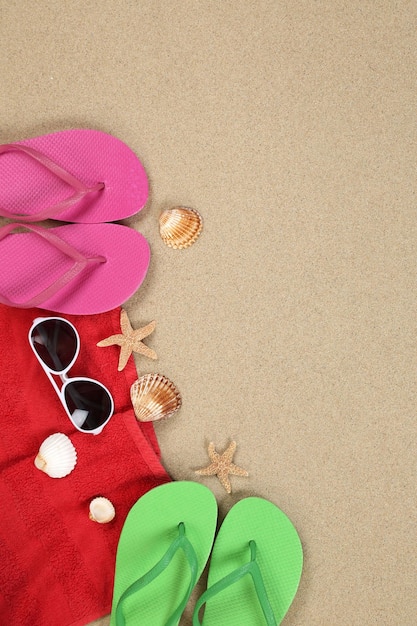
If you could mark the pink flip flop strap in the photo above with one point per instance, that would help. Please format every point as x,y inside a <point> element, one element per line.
<point>81,190</point>
<point>80,263</point>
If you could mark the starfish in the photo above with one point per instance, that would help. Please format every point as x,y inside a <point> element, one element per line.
<point>221,466</point>
<point>130,340</point>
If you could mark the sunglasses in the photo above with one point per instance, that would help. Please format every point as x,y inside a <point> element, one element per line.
<point>56,344</point>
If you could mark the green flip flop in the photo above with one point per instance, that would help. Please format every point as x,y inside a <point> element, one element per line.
<point>255,567</point>
<point>163,548</point>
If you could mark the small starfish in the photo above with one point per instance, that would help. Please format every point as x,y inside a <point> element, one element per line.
<point>130,340</point>
<point>221,466</point>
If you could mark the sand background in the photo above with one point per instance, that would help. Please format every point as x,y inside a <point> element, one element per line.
<point>290,325</point>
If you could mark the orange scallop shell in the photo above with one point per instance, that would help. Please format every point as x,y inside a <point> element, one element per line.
<point>180,227</point>
<point>154,397</point>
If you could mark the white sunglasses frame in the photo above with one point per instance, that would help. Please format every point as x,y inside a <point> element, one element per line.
<point>66,380</point>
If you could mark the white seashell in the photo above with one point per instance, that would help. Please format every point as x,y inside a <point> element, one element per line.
<point>101,510</point>
<point>57,456</point>
<point>154,397</point>
<point>180,226</point>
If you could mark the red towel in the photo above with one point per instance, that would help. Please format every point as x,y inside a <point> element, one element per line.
<point>56,565</point>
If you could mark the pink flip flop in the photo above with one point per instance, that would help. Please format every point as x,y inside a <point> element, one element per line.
<point>73,269</point>
<point>79,175</point>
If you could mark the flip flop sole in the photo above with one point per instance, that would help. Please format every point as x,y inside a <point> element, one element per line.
<point>92,157</point>
<point>150,528</point>
<point>278,554</point>
<point>29,264</point>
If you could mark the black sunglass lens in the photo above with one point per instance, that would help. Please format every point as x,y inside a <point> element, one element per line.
<point>55,342</point>
<point>88,403</point>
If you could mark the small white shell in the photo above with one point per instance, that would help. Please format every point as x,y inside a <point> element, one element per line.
<point>57,456</point>
<point>180,226</point>
<point>101,510</point>
<point>154,397</point>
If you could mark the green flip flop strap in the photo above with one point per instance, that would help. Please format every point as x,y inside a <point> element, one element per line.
<point>180,543</point>
<point>251,568</point>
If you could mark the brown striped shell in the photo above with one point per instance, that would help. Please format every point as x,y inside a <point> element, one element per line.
<point>154,397</point>
<point>180,227</point>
